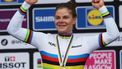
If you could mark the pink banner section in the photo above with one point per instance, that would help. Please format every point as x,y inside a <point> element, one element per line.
<point>102,59</point>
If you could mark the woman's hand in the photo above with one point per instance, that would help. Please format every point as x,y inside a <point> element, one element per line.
<point>31,1</point>
<point>97,3</point>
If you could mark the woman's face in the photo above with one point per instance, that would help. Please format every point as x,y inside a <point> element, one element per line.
<point>64,21</point>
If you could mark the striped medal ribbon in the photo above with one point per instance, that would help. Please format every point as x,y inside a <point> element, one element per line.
<point>63,63</point>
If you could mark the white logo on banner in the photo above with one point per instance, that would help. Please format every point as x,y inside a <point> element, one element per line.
<point>10,42</point>
<point>14,61</point>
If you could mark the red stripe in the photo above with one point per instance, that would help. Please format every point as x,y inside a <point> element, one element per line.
<point>76,60</point>
<point>50,59</point>
<point>101,43</point>
<point>39,61</point>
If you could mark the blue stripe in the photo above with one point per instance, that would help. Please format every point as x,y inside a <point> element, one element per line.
<point>79,56</point>
<point>48,54</point>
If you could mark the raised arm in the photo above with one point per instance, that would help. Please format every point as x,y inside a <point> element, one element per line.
<point>112,31</point>
<point>26,35</point>
<point>16,21</point>
<point>15,26</point>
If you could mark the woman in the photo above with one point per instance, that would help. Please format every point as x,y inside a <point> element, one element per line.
<point>64,50</point>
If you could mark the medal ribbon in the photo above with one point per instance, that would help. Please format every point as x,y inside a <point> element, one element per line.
<point>66,54</point>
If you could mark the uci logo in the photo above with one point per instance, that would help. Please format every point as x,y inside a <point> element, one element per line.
<point>94,17</point>
<point>4,42</point>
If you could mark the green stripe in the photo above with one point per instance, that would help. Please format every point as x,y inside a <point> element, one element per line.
<point>27,35</point>
<point>104,44</point>
<point>47,68</point>
<point>104,14</point>
<point>23,9</point>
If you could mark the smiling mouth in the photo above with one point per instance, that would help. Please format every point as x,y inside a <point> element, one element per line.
<point>61,26</point>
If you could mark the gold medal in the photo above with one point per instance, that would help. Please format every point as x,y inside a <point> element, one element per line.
<point>62,67</point>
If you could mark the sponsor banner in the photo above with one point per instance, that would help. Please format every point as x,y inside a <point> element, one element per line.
<point>120,16</point>
<point>101,59</point>
<point>120,59</point>
<point>91,0</point>
<point>43,19</point>
<point>6,15</point>
<point>10,42</point>
<point>89,18</point>
<point>51,1</point>
<point>37,61</point>
<point>14,61</point>
<point>11,2</point>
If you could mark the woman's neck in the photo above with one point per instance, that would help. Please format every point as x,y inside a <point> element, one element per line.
<point>65,34</point>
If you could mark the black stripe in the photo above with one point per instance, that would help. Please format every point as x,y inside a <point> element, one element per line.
<point>74,64</point>
<point>50,62</point>
<point>67,64</point>
<point>106,15</point>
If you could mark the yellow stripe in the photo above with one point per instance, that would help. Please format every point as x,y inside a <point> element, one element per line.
<point>103,42</point>
<point>104,14</point>
<point>49,66</point>
<point>27,35</point>
<point>39,65</point>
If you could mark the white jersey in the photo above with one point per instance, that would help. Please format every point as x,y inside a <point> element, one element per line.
<point>81,46</point>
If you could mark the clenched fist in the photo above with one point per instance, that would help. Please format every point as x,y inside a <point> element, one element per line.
<point>31,1</point>
<point>97,3</point>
